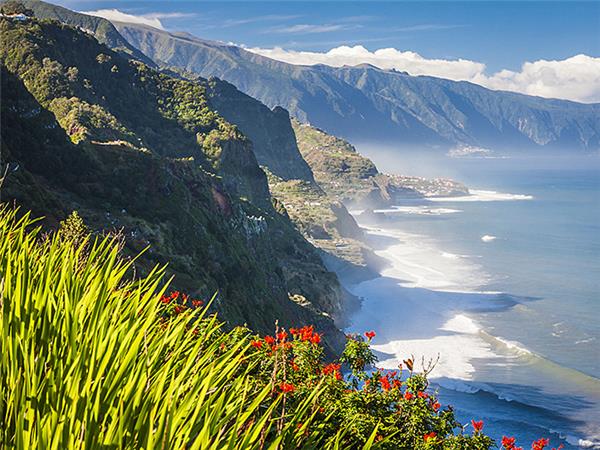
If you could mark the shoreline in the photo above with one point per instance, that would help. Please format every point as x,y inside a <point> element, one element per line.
<point>422,304</point>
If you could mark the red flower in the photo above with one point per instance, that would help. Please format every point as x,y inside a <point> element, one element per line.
<point>370,335</point>
<point>287,387</point>
<point>197,303</point>
<point>315,338</point>
<point>508,442</point>
<point>269,340</point>
<point>331,368</point>
<point>408,396</point>
<point>477,426</point>
<point>436,406</point>
<point>385,384</point>
<point>179,309</point>
<point>422,394</point>
<point>429,436</point>
<point>282,336</point>
<point>165,299</point>
<point>256,344</point>
<point>540,444</point>
<point>306,332</point>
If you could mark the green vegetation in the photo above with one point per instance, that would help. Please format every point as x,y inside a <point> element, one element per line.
<point>12,7</point>
<point>102,29</point>
<point>324,221</point>
<point>139,152</point>
<point>338,168</point>
<point>94,358</point>
<point>353,179</point>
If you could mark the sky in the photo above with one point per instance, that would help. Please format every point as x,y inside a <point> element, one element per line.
<point>542,48</point>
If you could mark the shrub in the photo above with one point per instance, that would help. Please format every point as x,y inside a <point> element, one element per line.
<point>93,358</point>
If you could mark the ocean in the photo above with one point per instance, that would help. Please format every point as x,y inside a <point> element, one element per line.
<point>502,290</point>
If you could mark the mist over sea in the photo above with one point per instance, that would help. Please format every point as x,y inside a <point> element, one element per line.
<point>503,287</point>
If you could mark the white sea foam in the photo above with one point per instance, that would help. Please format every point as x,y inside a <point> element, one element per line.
<point>420,306</point>
<point>477,195</point>
<point>421,210</point>
<point>414,260</point>
<point>488,238</point>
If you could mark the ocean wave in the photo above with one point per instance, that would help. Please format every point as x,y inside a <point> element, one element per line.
<point>547,418</point>
<point>428,317</point>
<point>477,195</point>
<point>585,341</point>
<point>512,345</point>
<point>421,210</point>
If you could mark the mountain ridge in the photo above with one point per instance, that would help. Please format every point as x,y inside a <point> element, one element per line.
<point>367,103</point>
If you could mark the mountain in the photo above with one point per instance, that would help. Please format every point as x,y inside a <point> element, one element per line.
<point>364,103</point>
<point>353,179</point>
<point>101,28</point>
<point>147,156</point>
<point>269,130</point>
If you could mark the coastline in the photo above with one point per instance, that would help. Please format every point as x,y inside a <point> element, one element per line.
<point>423,305</point>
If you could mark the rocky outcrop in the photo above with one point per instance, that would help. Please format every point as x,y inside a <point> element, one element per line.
<point>353,179</point>
<point>269,130</point>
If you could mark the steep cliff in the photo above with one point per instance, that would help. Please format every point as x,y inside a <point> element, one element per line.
<point>141,152</point>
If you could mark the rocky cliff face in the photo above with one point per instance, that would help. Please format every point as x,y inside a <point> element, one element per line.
<point>369,104</point>
<point>145,153</point>
<point>269,130</point>
<point>353,179</point>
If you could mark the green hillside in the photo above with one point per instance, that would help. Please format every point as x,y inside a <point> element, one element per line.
<point>146,154</point>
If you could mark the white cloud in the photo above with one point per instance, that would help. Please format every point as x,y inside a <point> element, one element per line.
<point>119,16</point>
<point>576,78</point>
<point>150,19</point>
<point>385,58</point>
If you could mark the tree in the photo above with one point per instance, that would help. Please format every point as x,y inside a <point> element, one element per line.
<point>12,7</point>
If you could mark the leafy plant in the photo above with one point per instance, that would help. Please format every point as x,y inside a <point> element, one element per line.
<point>94,358</point>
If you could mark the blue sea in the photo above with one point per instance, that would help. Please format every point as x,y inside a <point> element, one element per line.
<point>502,289</point>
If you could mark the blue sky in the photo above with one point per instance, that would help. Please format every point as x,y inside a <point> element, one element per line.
<point>499,34</point>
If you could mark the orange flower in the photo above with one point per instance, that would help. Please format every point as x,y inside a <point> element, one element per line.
<point>477,426</point>
<point>331,368</point>
<point>287,387</point>
<point>385,384</point>
<point>408,396</point>
<point>429,436</point>
<point>508,442</point>
<point>540,444</point>
<point>269,340</point>
<point>370,335</point>
<point>256,344</point>
<point>282,336</point>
